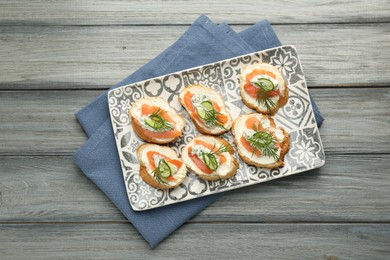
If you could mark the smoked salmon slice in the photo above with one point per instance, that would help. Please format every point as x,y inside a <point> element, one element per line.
<point>247,145</point>
<point>148,110</point>
<point>188,101</point>
<point>175,162</point>
<point>253,123</point>
<point>158,135</point>
<point>256,72</point>
<point>199,163</point>
<point>253,90</point>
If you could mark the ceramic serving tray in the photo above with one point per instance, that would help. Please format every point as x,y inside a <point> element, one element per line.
<point>296,117</point>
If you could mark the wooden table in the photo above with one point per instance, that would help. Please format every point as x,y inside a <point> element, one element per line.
<point>57,56</point>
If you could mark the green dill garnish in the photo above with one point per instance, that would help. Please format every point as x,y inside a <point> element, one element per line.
<point>265,86</point>
<point>209,115</point>
<point>210,158</point>
<point>157,122</point>
<point>264,142</point>
<point>161,172</point>
<point>223,148</point>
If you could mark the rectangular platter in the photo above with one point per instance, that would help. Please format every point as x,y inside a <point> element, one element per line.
<point>296,117</point>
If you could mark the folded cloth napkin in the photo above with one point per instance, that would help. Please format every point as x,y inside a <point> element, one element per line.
<point>204,42</point>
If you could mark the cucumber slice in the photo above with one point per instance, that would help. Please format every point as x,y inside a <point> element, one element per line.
<point>201,113</point>
<point>207,105</point>
<point>210,160</point>
<point>265,84</point>
<point>156,122</point>
<point>164,169</point>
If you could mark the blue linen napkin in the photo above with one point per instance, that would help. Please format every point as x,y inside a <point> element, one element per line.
<point>204,42</point>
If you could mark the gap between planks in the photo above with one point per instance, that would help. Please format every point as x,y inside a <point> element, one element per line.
<point>114,222</point>
<point>84,87</point>
<point>29,24</point>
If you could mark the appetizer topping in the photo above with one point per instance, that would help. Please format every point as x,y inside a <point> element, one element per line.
<point>261,141</point>
<point>211,158</point>
<point>160,167</point>
<point>157,122</point>
<point>197,99</point>
<point>210,115</point>
<point>163,167</point>
<point>264,142</point>
<point>205,110</point>
<point>262,85</point>
<point>207,157</point>
<point>265,84</point>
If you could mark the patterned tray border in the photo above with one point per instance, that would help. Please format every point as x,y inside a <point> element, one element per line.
<point>297,117</point>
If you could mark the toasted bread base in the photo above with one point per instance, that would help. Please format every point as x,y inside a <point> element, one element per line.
<point>280,163</point>
<point>285,146</point>
<point>140,132</point>
<point>204,130</point>
<point>159,102</point>
<point>213,176</point>
<point>283,97</point>
<point>148,178</point>
<point>151,181</point>
<point>201,127</point>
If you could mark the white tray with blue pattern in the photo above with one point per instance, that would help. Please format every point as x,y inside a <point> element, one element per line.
<point>297,117</point>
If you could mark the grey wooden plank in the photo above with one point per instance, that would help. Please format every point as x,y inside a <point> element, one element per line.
<point>352,116</point>
<point>43,122</point>
<point>349,188</point>
<point>89,12</point>
<point>198,241</point>
<point>36,57</point>
<point>47,188</point>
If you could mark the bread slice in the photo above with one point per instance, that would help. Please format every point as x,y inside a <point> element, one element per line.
<point>148,171</point>
<point>266,71</point>
<point>201,93</point>
<point>147,133</point>
<point>243,126</point>
<point>224,170</point>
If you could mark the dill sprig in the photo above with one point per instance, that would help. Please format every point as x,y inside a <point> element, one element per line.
<point>158,122</point>
<point>264,142</point>
<point>160,173</point>
<point>211,118</point>
<point>210,158</point>
<point>223,148</point>
<point>157,176</point>
<point>262,97</point>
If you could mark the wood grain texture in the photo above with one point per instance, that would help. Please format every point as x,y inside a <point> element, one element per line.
<point>102,12</point>
<point>200,241</point>
<point>57,56</point>
<point>347,189</point>
<point>43,122</point>
<point>39,57</point>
